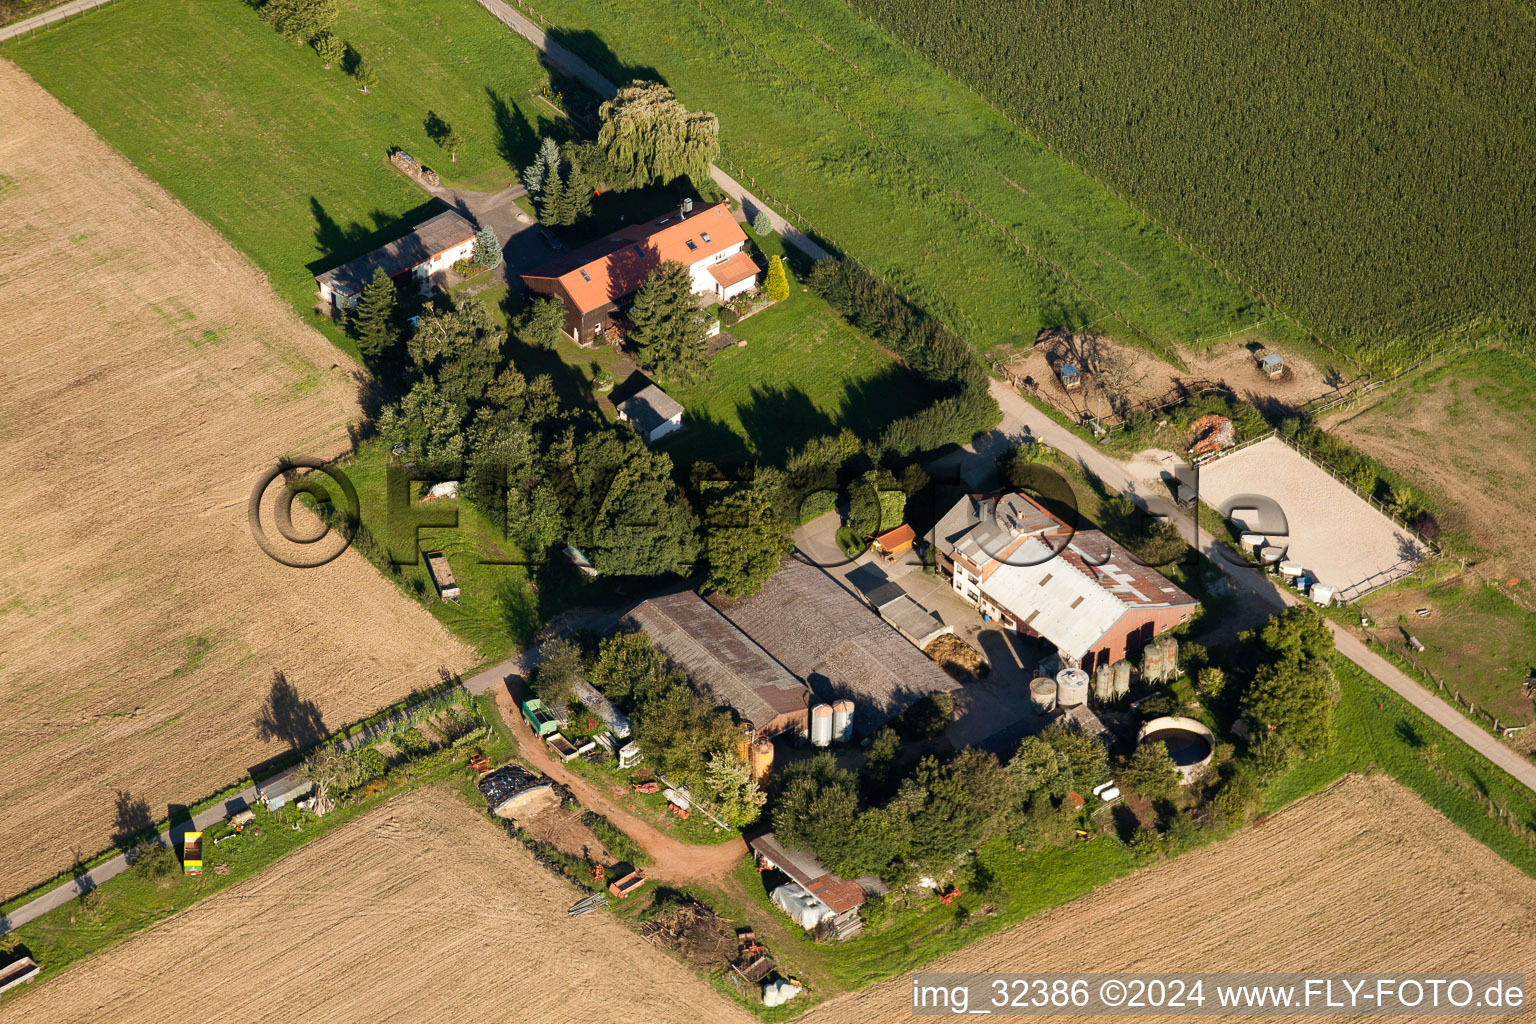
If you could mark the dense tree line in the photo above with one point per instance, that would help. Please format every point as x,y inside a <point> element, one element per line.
<point>963,406</point>
<point>1380,200</point>
<point>899,823</point>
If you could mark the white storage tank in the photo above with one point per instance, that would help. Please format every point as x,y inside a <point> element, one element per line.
<point>842,720</point>
<point>1071,688</point>
<point>1042,693</point>
<point>821,725</point>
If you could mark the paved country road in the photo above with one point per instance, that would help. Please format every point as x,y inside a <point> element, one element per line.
<point>60,13</point>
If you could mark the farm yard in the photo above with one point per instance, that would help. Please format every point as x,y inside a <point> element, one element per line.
<point>143,624</point>
<point>284,158</point>
<point>1340,539</point>
<point>895,164</point>
<point>1384,213</point>
<point>1115,375</point>
<point>420,910</point>
<point>1269,899</point>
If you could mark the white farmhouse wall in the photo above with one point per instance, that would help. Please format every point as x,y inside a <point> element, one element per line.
<point>703,280</point>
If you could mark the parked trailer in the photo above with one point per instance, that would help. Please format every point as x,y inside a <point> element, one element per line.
<point>192,853</point>
<point>442,576</point>
<point>539,718</point>
<point>19,972</point>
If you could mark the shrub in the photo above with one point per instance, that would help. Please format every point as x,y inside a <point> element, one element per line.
<point>374,760</point>
<point>153,859</point>
<point>1145,845</point>
<point>762,223</point>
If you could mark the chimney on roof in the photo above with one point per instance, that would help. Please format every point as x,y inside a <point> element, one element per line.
<point>687,207</point>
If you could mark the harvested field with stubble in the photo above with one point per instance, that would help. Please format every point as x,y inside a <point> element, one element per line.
<point>418,911</point>
<point>1362,877</point>
<point>150,374</point>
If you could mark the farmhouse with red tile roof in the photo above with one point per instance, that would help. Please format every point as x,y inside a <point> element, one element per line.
<point>597,281</point>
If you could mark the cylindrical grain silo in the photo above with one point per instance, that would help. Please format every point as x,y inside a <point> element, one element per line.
<point>1042,693</point>
<point>842,720</point>
<point>1071,688</point>
<point>762,759</point>
<point>1103,684</point>
<point>821,725</point>
<point>1122,670</point>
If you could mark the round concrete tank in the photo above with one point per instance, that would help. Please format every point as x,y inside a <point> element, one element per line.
<point>821,725</point>
<point>1189,742</point>
<point>1071,688</point>
<point>1122,670</point>
<point>842,720</point>
<point>762,759</point>
<point>1042,693</point>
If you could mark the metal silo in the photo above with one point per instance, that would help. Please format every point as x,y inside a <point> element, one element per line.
<point>842,720</point>
<point>821,725</point>
<point>1122,670</point>
<point>762,759</point>
<point>1103,684</point>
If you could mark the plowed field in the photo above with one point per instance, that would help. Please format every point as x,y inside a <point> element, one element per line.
<point>149,374</point>
<point>419,911</point>
<point>1362,877</point>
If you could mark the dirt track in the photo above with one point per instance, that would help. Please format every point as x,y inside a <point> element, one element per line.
<point>149,374</point>
<point>671,859</point>
<point>418,911</point>
<point>1363,877</point>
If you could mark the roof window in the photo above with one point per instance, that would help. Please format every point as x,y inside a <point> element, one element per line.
<point>584,275</point>
<point>638,251</point>
<point>690,243</point>
<point>704,235</point>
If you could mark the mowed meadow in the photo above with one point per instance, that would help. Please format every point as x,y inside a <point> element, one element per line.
<point>150,652</point>
<point>1368,167</point>
<point>287,160</point>
<point>888,160</point>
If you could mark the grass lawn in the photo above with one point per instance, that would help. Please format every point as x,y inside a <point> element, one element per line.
<point>892,161</point>
<point>286,159</point>
<point>1476,640</point>
<point>805,372</point>
<point>502,605</point>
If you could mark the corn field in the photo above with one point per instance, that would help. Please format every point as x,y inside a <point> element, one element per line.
<point>1366,167</point>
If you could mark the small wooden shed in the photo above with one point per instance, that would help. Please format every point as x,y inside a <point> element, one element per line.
<point>1071,377</point>
<point>897,542</point>
<point>1272,363</point>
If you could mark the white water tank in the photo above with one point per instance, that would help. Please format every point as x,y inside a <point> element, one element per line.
<point>1071,688</point>
<point>842,720</point>
<point>821,725</point>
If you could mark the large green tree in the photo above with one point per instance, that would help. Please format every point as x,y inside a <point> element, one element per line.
<point>428,421</point>
<point>668,324</point>
<point>1083,759</point>
<point>1151,772</point>
<point>624,509</point>
<point>746,537</point>
<point>299,21</point>
<point>542,324</point>
<point>1293,692</point>
<point>374,320</point>
<point>630,668</point>
<point>460,348</point>
<point>647,136</point>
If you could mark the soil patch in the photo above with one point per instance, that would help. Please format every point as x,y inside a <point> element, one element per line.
<point>150,375</point>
